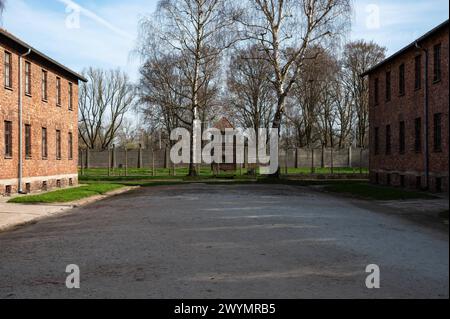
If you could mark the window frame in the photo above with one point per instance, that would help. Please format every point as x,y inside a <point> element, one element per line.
<point>437,132</point>
<point>437,63</point>
<point>70,146</point>
<point>402,137</point>
<point>388,143</point>
<point>28,141</point>
<point>70,96</point>
<point>418,135</point>
<point>401,80</point>
<point>44,143</point>
<point>58,92</point>
<point>58,145</point>
<point>8,73</point>
<point>28,78</point>
<point>44,85</point>
<point>417,72</point>
<point>388,86</point>
<point>8,139</point>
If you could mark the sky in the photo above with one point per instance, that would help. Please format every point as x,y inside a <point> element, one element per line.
<point>102,33</point>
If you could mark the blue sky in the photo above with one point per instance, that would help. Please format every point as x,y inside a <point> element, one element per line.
<point>107,28</point>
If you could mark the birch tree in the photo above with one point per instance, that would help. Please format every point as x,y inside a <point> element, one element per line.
<point>285,29</point>
<point>198,31</point>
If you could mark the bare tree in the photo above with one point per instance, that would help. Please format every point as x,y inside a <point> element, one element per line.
<point>358,57</point>
<point>198,32</point>
<point>286,29</point>
<point>103,102</point>
<point>251,97</point>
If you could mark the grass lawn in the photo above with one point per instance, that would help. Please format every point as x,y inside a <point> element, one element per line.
<point>374,192</point>
<point>67,195</point>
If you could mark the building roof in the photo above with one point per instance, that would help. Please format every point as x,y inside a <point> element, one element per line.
<point>409,46</point>
<point>26,47</point>
<point>223,124</point>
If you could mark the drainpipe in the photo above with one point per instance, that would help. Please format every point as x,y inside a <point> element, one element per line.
<point>21,120</point>
<point>426,118</point>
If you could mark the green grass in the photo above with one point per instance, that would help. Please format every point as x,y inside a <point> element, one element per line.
<point>67,195</point>
<point>374,192</point>
<point>205,171</point>
<point>327,170</point>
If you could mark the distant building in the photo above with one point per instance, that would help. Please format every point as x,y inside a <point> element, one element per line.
<point>222,125</point>
<point>38,119</point>
<point>409,108</point>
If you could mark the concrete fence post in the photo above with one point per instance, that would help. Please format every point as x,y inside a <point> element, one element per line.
<point>332,159</point>
<point>139,163</point>
<point>87,158</point>
<point>153,162</point>
<point>109,161</point>
<point>296,157</point>
<point>350,157</point>
<point>126,161</point>
<point>360,160</point>
<point>322,158</point>
<point>81,163</point>
<point>312,161</point>
<point>113,157</point>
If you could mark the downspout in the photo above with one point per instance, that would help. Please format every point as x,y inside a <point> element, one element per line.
<point>426,118</point>
<point>20,190</point>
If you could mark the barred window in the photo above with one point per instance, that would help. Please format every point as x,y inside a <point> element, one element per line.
<point>70,96</point>
<point>44,143</point>
<point>27,141</point>
<point>437,132</point>
<point>418,72</point>
<point>44,85</point>
<point>8,139</point>
<point>401,141</point>
<point>437,62</point>
<point>418,135</point>
<point>70,142</point>
<point>58,91</point>
<point>8,70</point>
<point>28,78</point>
<point>388,139</point>
<point>401,80</point>
<point>388,86</point>
<point>376,91</point>
<point>376,141</point>
<point>58,144</point>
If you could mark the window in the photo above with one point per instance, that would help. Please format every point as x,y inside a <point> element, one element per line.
<point>401,80</point>
<point>70,97</point>
<point>401,137</point>
<point>28,188</point>
<point>8,70</point>
<point>58,91</point>
<point>376,91</point>
<point>44,143</point>
<point>44,85</point>
<point>58,144</point>
<point>70,146</point>
<point>388,139</point>
<point>8,139</point>
<point>418,71</point>
<point>377,141</point>
<point>418,135</point>
<point>437,63</point>
<point>28,78</point>
<point>437,132</point>
<point>27,141</point>
<point>388,86</point>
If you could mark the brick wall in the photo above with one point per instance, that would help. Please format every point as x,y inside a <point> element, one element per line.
<point>396,168</point>
<point>38,114</point>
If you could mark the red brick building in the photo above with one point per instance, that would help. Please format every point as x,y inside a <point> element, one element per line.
<point>409,110</point>
<point>41,96</point>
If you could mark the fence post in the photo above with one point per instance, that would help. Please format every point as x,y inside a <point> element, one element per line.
<point>350,156</point>
<point>109,161</point>
<point>296,157</point>
<point>286,161</point>
<point>113,160</point>
<point>312,161</point>
<point>87,158</point>
<point>153,162</point>
<point>81,159</point>
<point>360,160</point>
<point>139,164</point>
<point>322,158</point>
<point>332,164</point>
<point>126,161</point>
